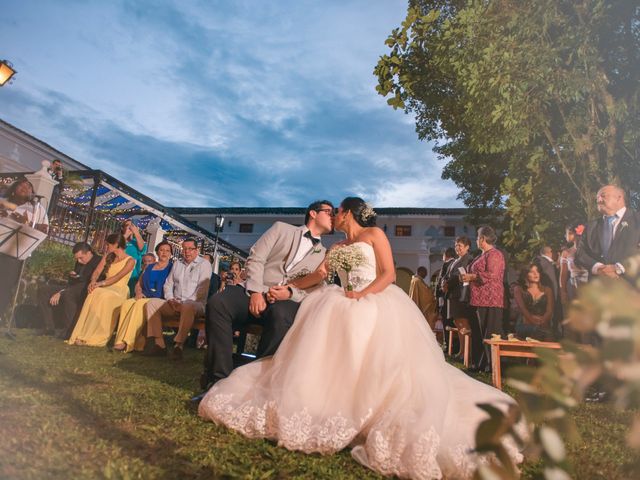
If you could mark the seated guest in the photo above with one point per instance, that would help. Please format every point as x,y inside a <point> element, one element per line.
<point>129,335</point>
<point>135,248</point>
<point>101,308</point>
<point>233,277</point>
<point>66,302</point>
<point>423,296</point>
<point>19,206</point>
<point>148,259</point>
<point>535,304</point>
<point>185,293</point>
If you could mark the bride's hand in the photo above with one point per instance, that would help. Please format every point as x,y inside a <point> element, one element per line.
<point>353,294</point>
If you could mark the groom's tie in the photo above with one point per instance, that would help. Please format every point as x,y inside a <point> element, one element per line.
<point>607,233</point>
<point>313,239</point>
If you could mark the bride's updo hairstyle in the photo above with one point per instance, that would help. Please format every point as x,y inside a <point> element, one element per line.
<point>361,211</point>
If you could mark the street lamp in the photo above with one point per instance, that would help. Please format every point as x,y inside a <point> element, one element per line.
<point>6,72</point>
<point>219,225</point>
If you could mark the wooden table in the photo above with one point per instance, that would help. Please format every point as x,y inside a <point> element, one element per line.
<point>505,348</point>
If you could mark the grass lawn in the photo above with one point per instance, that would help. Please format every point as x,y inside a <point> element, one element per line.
<point>82,412</point>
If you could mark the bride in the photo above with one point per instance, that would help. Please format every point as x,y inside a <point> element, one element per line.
<point>362,369</point>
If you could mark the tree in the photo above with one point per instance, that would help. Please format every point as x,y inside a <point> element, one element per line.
<point>534,105</point>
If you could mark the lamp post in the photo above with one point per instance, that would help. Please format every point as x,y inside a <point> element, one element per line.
<point>6,72</point>
<point>219,225</point>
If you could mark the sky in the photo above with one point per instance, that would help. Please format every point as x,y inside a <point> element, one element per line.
<point>220,103</point>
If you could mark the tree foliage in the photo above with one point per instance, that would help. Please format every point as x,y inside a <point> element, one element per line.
<point>533,104</point>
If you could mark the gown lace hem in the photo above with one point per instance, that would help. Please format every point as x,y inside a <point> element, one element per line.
<point>367,375</point>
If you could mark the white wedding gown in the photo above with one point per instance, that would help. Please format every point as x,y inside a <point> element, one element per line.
<point>366,374</point>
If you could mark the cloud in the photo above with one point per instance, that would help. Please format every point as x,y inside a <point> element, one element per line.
<point>221,103</point>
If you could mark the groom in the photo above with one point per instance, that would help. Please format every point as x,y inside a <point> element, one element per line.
<point>281,254</point>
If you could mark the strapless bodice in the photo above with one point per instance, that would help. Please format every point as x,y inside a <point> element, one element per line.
<point>363,274</point>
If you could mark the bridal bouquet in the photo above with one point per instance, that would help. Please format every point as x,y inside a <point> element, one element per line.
<point>345,258</point>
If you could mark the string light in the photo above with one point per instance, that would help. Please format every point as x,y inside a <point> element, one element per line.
<point>71,212</point>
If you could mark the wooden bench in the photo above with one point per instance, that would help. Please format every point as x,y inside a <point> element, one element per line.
<point>465,347</point>
<point>519,348</point>
<point>198,324</point>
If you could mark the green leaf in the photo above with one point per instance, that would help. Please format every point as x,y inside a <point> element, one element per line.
<point>552,444</point>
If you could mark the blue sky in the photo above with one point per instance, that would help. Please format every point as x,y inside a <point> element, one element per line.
<point>220,103</point>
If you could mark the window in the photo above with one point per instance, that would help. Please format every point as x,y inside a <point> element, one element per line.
<point>449,231</point>
<point>403,230</point>
<point>245,228</point>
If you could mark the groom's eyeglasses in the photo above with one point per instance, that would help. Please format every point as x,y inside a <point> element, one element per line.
<point>328,211</point>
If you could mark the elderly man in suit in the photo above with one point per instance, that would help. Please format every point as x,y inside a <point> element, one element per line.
<point>282,254</point>
<point>609,240</point>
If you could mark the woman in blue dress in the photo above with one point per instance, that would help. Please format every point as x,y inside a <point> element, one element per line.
<point>130,335</point>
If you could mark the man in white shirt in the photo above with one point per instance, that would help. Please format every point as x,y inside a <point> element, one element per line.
<point>185,296</point>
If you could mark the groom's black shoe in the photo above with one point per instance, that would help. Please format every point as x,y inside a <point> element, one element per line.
<point>195,400</point>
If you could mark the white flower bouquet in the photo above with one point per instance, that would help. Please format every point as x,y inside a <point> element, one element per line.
<point>345,258</point>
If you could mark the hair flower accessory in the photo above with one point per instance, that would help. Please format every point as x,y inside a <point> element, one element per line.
<point>367,212</point>
<point>579,229</point>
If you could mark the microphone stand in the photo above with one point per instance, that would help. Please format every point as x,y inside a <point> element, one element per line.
<point>9,333</point>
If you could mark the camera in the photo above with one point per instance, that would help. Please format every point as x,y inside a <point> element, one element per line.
<point>230,276</point>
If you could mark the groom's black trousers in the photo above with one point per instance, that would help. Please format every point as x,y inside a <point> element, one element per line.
<point>228,311</point>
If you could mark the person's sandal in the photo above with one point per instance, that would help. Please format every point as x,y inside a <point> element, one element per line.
<point>120,347</point>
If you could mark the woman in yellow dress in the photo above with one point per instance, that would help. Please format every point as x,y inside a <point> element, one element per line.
<point>101,309</point>
<point>130,335</point>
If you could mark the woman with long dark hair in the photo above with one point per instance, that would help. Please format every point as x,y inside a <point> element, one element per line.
<point>535,305</point>
<point>101,308</point>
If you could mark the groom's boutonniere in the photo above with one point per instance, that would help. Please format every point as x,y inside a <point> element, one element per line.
<point>623,225</point>
<point>316,250</point>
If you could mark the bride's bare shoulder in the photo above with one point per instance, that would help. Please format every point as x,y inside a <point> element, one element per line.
<point>374,233</point>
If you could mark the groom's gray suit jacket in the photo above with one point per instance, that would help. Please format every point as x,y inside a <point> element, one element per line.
<point>271,256</point>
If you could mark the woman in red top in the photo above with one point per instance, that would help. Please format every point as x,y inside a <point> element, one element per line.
<point>487,293</point>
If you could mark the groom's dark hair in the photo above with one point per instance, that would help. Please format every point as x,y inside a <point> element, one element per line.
<point>314,208</point>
